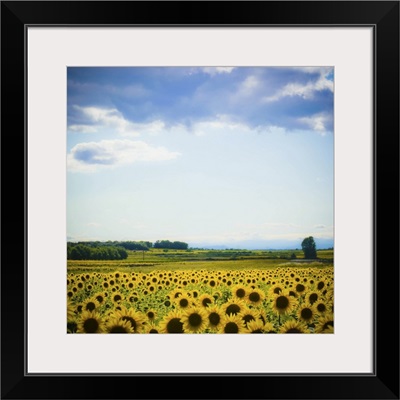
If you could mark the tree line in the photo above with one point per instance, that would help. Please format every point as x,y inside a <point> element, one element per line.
<point>166,244</point>
<point>80,251</point>
<point>115,250</point>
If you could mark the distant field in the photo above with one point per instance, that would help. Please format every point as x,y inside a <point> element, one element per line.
<point>146,261</point>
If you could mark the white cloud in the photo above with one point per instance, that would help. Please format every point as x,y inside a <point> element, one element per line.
<point>225,125</point>
<point>248,86</point>
<point>221,124</point>
<point>99,119</point>
<point>151,128</point>
<point>315,70</point>
<point>82,128</point>
<point>217,70</point>
<point>212,71</point>
<point>104,120</point>
<point>92,156</point>
<point>316,122</point>
<point>112,122</point>
<point>307,90</point>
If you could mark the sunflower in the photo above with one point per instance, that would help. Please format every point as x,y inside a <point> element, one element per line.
<point>79,308</point>
<point>194,293</point>
<point>194,320</point>
<point>151,327</point>
<point>135,318</point>
<point>324,323</point>
<point>329,329</point>
<point>74,289</point>
<point>183,301</point>
<point>167,302</point>
<point>263,315</point>
<point>321,307</point>
<point>205,300</point>
<point>216,295</point>
<point>306,313</point>
<point>214,317</point>
<point>71,316</point>
<point>232,323</point>
<point>175,293</point>
<point>130,284</point>
<point>329,294</point>
<point>116,298</point>
<point>255,297</point>
<point>100,298</point>
<point>321,284</point>
<point>249,315</point>
<point>275,289</point>
<point>269,328</point>
<point>239,292</point>
<point>293,326</point>
<point>90,305</point>
<point>300,288</point>
<point>172,322</point>
<point>255,326</point>
<point>106,285</point>
<point>283,303</point>
<point>118,325</point>
<point>151,314</point>
<point>213,283</point>
<point>90,322</point>
<point>312,297</point>
<point>233,306</point>
<point>154,279</point>
<point>80,285</point>
<point>330,306</point>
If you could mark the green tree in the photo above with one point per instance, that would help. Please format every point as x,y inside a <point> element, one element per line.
<point>309,247</point>
<point>166,244</point>
<point>94,251</point>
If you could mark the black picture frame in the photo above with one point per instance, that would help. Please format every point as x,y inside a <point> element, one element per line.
<point>383,383</point>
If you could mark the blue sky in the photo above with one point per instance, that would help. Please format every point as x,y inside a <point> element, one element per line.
<point>234,156</point>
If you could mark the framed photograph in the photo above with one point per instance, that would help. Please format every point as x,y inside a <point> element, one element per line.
<point>194,173</point>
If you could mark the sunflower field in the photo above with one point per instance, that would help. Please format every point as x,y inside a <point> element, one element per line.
<point>278,300</point>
